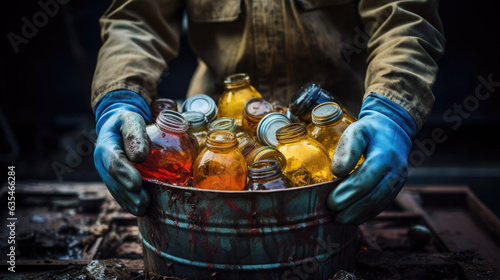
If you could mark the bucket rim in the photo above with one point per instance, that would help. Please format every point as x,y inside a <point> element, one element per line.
<point>333,182</point>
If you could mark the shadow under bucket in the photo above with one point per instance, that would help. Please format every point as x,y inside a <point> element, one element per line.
<point>278,234</point>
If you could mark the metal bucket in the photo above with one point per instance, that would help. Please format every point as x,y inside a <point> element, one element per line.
<point>279,234</point>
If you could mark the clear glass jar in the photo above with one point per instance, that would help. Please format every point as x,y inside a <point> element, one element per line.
<point>225,123</point>
<point>232,101</point>
<point>306,159</point>
<point>171,152</point>
<point>220,166</point>
<point>198,127</point>
<point>161,104</point>
<point>266,175</point>
<point>255,109</point>
<point>309,96</point>
<point>328,124</point>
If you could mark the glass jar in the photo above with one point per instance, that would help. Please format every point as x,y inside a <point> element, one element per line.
<point>328,124</point>
<point>220,166</point>
<point>266,175</point>
<point>198,127</point>
<point>232,101</point>
<point>309,96</point>
<point>201,103</point>
<point>255,109</point>
<point>171,152</point>
<point>306,159</point>
<point>246,143</point>
<point>267,152</point>
<point>161,104</point>
<point>225,123</point>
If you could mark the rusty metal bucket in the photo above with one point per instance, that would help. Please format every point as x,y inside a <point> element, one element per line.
<point>279,234</point>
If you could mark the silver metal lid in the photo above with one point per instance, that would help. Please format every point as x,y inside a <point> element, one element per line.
<point>326,113</point>
<point>201,103</point>
<point>266,129</point>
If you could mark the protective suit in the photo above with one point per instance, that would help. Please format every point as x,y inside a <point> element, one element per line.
<point>377,56</point>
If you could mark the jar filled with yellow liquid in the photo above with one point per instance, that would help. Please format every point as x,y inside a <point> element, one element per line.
<point>306,159</point>
<point>232,101</point>
<point>328,124</point>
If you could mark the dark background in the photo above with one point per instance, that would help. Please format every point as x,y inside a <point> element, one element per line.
<point>46,115</point>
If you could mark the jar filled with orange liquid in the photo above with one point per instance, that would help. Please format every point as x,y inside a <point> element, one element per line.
<point>255,109</point>
<point>220,166</point>
<point>232,101</point>
<point>171,152</point>
<point>328,124</point>
<point>266,175</point>
<point>306,159</point>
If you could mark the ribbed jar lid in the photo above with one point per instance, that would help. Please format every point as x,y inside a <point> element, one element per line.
<point>326,113</point>
<point>201,103</point>
<point>266,129</point>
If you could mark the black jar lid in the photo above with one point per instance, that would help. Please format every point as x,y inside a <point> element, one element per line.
<point>305,97</point>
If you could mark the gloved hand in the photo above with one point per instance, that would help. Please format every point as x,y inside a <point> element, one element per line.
<point>383,133</point>
<point>121,138</point>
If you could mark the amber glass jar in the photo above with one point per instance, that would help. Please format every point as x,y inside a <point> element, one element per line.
<point>266,175</point>
<point>306,159</point>
<point>328,124</point>
<point>161,104</point>
<point>232,101</point>
<point>220,166</point>
<point>255,109</point>
<point>171,152</point>
<point>307,97</point>
<point>225,123</point>
<point>246,143</point>
<point>198,127</point>
<point>267,152</point>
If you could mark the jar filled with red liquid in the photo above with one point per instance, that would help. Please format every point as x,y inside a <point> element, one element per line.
<point>171,152</point>
<point>220,166</point>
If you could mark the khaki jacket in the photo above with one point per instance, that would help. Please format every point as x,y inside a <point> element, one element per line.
<point>349,47</point>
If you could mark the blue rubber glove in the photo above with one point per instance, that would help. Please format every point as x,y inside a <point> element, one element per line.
<point>383,133</point>
<point>121,137</point>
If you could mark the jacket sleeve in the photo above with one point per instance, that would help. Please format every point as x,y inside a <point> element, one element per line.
<point>139,38</point>
<point>406,40</point>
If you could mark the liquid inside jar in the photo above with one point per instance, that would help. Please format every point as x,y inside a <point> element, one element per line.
<point>220,166</point>
<point>238,91</point>
<point>171,152</point>
<point>306,159</point>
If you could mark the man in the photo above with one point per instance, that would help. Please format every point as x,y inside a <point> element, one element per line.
<point>380,54</point>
